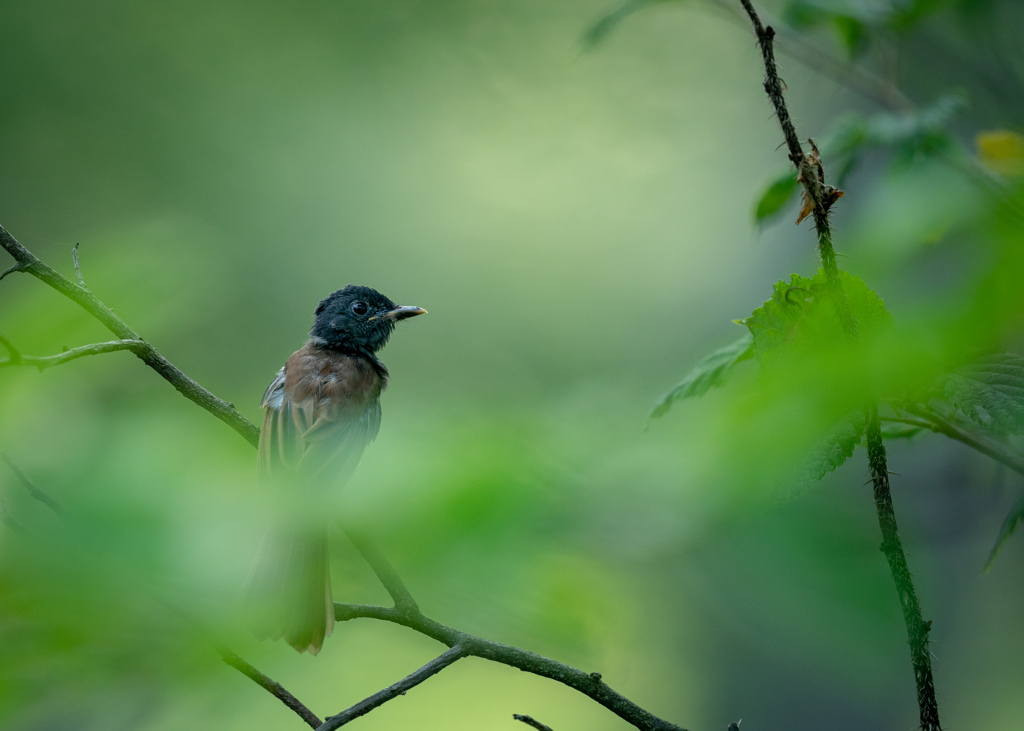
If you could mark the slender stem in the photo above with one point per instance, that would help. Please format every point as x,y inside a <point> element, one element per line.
<point>28,262</point>
<point>271,686</point>
<point>530,721</point>
<point>917,627</point>
<point>42,362</point>
<point>39,494</point>
<point>378,699</point>
<point>812,174</point>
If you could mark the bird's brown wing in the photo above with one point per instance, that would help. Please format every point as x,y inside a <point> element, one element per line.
<point>320,413</point>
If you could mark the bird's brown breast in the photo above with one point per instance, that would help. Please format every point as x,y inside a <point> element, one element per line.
<point>349,383</point>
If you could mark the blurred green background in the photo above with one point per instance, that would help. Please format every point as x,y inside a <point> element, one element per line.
<point>578,223</point>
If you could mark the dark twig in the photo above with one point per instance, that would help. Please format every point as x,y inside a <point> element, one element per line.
<point>78,267</point>
<point>272,686</point>
<point>366,705</point>
<point>39,494</point>
<point>821,196</point>
<point>28,262</point>
<point>529,721</point>
<point>11,269</point>
<point>917,627</point>
<point>590,684</point>
<point>42,362</point>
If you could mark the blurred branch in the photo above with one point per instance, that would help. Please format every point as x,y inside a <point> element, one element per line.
<point>26,261</point>
<point>531,722</point>
<point>39,494</point>
<point>938,424</point>
<point>42,362</point>
<point>363,707</point>
<point>851,75</point>
<point>271,686</point>
<point>818,198</point>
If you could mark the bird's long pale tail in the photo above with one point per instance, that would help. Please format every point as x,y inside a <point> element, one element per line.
<point>290,584</point>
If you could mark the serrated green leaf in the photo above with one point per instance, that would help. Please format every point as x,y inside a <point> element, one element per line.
<point>1013,518</point>
<point>835,447</point>
<point>713,370</point>
<point>776,196</point>
<point>800,317</point>
<point>990,392</point>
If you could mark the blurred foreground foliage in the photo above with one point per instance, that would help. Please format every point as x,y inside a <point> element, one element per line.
<point>513,484</point>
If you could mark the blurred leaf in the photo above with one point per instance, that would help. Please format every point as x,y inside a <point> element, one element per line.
<point>776,196</point>
<point>1014,517</point>
<point>836,447</point>
<point>713,370</point>
<point>603,27</point>
<point>853,33</point>
<point>990,392</point>
<point>801,315</point>
<point>1001,151</point>
<point>921,130</point>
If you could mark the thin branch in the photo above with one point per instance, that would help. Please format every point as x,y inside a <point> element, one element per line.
<point>378,699</point>
<point>938,424</point>
<point>11,269</point>
<point>385,572</point>
<point>820,197</point>
<point>78,268</point>
<point>28,262</point>
<point>39,494</point>
<point>42,362</point>
<point>589,684</point>
<point>272,686</point>
<point>530,721</point>
<point>917,627</point>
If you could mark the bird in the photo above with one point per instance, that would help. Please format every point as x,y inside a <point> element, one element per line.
<point>320,412</point>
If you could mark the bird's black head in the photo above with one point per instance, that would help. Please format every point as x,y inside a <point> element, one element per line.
<point>358,319</point>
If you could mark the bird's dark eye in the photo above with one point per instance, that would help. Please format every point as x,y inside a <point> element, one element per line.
<point>359,308</point>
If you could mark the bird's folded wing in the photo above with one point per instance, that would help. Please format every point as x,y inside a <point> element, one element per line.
<point>317,440</point>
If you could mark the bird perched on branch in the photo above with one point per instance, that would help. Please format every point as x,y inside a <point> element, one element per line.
<point>320,412</point>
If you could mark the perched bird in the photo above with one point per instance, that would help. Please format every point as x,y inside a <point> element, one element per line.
<point>321,410</point>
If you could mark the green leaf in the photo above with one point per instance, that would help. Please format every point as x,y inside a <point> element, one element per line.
<point>1014,517</point>
<point>776,196</point>
<point>800,317</point>
<point>990,392</point>
<point>835,447</point>
<point>712,371</point>
<point>605,25</point>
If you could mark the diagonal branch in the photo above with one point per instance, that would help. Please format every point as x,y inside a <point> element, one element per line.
<point>271,686</point>
<point>39,494</point>
<point>42,362</point>
<point>26,261</point>
<point>363,707</point>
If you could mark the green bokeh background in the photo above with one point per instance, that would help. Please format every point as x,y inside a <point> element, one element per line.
<point>578,225</point>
